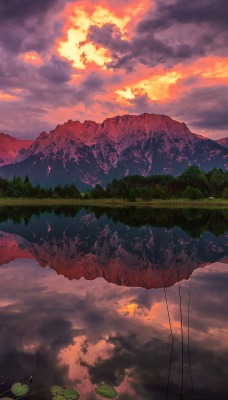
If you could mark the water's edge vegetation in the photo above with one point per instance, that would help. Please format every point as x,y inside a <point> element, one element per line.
<point>114,203</point>
<point>192,184</point>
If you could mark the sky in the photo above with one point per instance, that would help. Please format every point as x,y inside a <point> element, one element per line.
<point>80,60</point>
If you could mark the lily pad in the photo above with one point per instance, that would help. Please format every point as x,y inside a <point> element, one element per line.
<point>58,398</point>
<point>106,391</point>
<point>6,398</point>
<point>71,393</point>
<point>57,390</point>
<point>18,389</point>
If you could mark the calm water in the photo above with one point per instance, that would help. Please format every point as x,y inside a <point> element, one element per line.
<point>135,298</point>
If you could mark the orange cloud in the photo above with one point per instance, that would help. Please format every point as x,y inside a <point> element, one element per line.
<point>31,57</point>
<point>163,85</point>
<point>80,18</point>
<point>157,87</point>
<point>7,97</point>
<point>130,309</point>
<point>213,68</point>
<point>75,49</point>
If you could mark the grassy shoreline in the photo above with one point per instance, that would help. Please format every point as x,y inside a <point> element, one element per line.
<point>156,203</point>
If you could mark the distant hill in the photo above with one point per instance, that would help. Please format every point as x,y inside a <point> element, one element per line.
<point>12,150</point>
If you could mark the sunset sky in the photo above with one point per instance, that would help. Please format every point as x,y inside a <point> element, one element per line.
<point>67,59</point>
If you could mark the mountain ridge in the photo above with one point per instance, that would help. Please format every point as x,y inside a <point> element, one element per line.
<point>223,142</point>
<point>89,153</point>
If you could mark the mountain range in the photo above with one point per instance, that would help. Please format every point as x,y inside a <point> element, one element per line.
<point>89,153</point>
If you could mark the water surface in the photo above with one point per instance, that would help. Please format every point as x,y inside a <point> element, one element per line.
<point>132,297</point>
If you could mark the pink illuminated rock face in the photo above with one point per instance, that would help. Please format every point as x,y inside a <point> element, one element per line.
<point>12,150</point>
<point>126,128</point>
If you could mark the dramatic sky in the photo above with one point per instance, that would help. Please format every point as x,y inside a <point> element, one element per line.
<point>69,59</point>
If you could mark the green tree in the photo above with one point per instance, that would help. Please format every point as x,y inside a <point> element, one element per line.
<point>218,181</point>
<point>225,193</point>
<point>26,180</point>
<point>131,195</point>
<point>159,192</point>
<point>194,177</point>
<point>192,193</point>
<point>145,193</point>
<point>97,192</point>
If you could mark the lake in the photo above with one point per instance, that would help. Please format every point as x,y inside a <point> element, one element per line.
<point>133,297</point>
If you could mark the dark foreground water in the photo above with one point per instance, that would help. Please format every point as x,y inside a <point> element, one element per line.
<point>135,298</point>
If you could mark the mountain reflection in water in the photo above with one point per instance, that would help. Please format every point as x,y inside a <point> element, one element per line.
<point>80,332</point>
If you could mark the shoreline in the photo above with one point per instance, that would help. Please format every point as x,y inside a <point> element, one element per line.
<point>156,203</point>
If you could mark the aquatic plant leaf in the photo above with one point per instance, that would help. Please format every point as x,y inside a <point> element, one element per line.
<point>71,393</point>
<point>106,391</point>
<point>57,390</point>
<point>19,389</point>
<point>58,397</point>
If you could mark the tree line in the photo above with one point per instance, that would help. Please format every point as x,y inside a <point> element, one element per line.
<point>191,184</point>
<point>19,187</point>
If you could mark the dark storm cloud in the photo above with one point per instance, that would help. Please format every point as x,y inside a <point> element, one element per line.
<point>42,88</point>
<point>211,109</point>
<point>184,12</point>
<point>169,34</point>
<point>23,121</point>
<point>141,103</point>
<point>57,93</point>
<point>39,37</point>
<point>27,25</point>
<point>94,82</point>
<point>23,9</point>
<point>109,36</point>
<point>210,112</point>
<point>19,11</point>
<point>56,70</point>
<point>45,80</point>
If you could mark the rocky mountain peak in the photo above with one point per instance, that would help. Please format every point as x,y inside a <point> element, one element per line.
<point>42,135</point>
<point>120,127</point>
<point>144,124</point>
<point>12,149</point>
